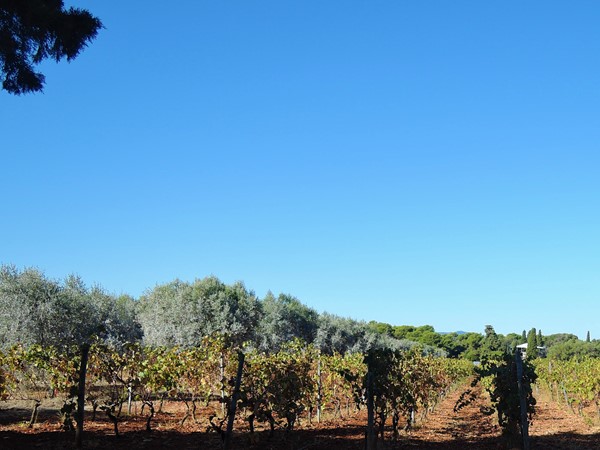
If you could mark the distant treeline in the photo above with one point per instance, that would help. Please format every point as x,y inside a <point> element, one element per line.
<point>35,309</point>
<point>475,346</point>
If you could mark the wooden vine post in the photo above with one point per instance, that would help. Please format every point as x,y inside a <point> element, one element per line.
<point>233,403</point>
<point>371,438</point>
<point>522,402</point>
<point>319,389</point>
<point>85,350</point>
<point>222,369</point>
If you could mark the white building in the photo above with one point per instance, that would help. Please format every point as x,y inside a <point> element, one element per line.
<point>523,349</point>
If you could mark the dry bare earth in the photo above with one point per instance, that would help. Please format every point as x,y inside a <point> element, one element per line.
<point>554,428</point>
<point>557,427</point>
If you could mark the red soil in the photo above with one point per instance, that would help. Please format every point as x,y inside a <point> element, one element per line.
<point>555,427</point>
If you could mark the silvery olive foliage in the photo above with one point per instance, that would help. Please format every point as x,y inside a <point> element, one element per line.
<point>116,317</point>
<point>341,334</point>
<point>285,318</point>
<point>37,310</point>
<point>181,313</point>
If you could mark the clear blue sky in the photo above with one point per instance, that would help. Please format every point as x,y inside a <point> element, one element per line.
<point>424,162</point>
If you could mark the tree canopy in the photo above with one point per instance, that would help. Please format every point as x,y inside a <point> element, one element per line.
<point>34,30</point>
<point>38,310</point>
<point>285,318</point>
<point>35,309</point>
<point>532,344</point>
<point>181,313</point>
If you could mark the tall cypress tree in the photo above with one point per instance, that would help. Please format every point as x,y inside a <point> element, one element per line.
<point>587,338</point>
<point>532,350</point>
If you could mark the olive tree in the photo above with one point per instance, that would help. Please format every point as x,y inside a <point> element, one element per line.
<point>38,310</point>
<point>339,334</point>
<point>285,318</point>
<point>35,309</point>
<point>182,313</point>
<point>65,315</point>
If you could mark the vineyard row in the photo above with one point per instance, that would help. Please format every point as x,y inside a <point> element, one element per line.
<point>276,389</point>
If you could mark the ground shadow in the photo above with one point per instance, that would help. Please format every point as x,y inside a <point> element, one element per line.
<point>349,437</point>
<point>23,415</point>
